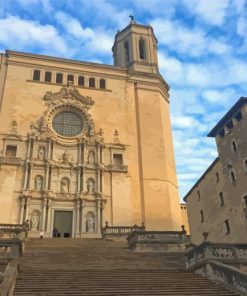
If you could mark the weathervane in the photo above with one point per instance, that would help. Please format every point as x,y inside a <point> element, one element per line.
<point>132,19</point>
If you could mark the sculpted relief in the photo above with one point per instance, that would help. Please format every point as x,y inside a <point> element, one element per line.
<point>35,219</point>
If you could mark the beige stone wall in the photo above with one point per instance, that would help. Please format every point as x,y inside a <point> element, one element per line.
<point>233,206</point>
<point>137,106</point>
<point>184,216</point>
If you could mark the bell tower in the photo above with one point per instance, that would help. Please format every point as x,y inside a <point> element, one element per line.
<point>135,47</point>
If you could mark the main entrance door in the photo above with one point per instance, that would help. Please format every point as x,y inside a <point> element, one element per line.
<point>62,226</point>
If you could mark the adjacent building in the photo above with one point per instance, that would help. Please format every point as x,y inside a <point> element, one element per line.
<point>84,143</point>
<point>217,203</point>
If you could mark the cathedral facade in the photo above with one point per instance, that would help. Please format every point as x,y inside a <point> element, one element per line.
<point>84,143</point>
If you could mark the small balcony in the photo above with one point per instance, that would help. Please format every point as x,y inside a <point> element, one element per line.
<point>118,168</point>
<point>10,160</point>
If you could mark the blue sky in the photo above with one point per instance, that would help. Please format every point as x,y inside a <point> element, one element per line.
<point>202,55</point>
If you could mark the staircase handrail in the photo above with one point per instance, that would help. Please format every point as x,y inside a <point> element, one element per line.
<point>120,230</point>
<point>224,252</point>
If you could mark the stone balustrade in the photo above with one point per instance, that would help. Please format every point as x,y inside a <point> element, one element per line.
<point>10,160</point>
<point>158,240</point>
<point>228,253</point>
<point>12,230</point>
<point>119,231</point>
<point>118,167</point>
<point>225,263</point>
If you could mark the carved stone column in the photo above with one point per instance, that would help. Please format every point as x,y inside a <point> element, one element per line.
<point>98,217</point>
<point>77,218</point>
<point>29,142</point>
<point>22,210</point>
<point>46,176</point>
<point>48,154</point>
<point>78,179</point>
<point>27,209</point>
<point>98,180</point>
<point>26,176</point>
<point>48,226</point>
<point>44,214</point>
<point>83,226</point>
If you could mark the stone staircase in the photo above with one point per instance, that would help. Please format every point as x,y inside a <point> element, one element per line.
<point>97,267</point>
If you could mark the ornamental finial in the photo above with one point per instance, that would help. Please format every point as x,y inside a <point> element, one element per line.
<point>132,19</point>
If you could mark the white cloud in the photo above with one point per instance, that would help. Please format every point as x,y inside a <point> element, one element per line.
<point>19,34</point>
<point>213,12</point>
<point>220,96</point>
<point>183,121</point>
<point>95,41</point>
<point>190,41</point>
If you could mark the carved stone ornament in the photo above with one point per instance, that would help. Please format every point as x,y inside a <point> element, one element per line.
<point>66,158</point>
<point>116,139</point>
<point>13,127</point>
<point>68,93</point>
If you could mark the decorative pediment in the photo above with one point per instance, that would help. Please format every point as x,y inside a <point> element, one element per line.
<point>68,94</point>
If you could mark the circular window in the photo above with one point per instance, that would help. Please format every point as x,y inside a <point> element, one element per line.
<point>67,124</point>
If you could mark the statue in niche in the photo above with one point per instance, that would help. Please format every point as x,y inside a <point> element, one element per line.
<point>90,186</point>
<point>38,183</point>
<point>35,218</point>
<point>90,223</point>
<point>91,157</point>
<point>41,153</point>
<point>65,157</point>
<point>64,185</point>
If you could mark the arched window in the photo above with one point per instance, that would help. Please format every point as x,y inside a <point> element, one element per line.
<point>81,80</point>
<point>234,147</point>
<point>36,75</point>
<point>70,78</point>
<point>245,200</point>
<point>245,165</point>
<point>233,178</point>
<point>102,83</point>
<point>47,76</point>
<point>126,51</point>
<point>142,52</point>
<point>59,78</point>
<point>221,198</point>
<point>202,216</point>
<point>91,82</point>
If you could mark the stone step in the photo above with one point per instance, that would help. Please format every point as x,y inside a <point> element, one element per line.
<point>100,268</point>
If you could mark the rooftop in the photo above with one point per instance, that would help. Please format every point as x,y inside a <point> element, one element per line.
<point>239,104</point>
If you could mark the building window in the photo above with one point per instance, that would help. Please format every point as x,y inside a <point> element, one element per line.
<point>11,151</point>
<point>217,177</point>
<point>81,80</point>
<point>234,147</point>
<point>70,78</point>
<point>118,159</point>
<point>198,195</point>
<point>238,116</point>
<point>91,82</point>
<point>230,125</point>
<point>202,216</point>
<point>245,200</point>
<point>36,75</point>
<point>222,133</point>
<point>142,49</point>
<point>47,76</point>
<point>227,225</point>
<point>67,124</point>
<point>126,51</point>
<point>221,198</point>
<point>59,78</point>
<point>102,83</point>
<point>233,178</point>
<point>245,165</point>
